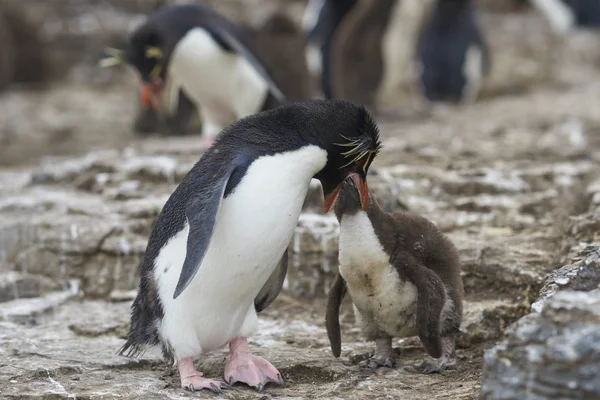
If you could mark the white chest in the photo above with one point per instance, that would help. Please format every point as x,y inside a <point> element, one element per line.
<point>221,81</point>
<point>374,285</point>
<point>253,227</point>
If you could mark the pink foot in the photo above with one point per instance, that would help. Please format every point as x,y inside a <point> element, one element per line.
<point>193,380</point>
<point>247,368</point>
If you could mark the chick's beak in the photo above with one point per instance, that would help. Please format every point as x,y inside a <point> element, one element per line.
<point>360,183</point>
<point>150,94</point>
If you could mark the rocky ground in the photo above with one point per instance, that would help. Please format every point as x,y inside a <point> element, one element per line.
<point>514,180</point>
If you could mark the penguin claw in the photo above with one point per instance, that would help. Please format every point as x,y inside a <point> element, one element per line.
<point>260,387</point>
<point>191,388</point>
<point>280,380</point>
<point>215,388</point>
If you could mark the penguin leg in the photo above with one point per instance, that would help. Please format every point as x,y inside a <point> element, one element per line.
<point>244,367</point>
<point>212,124</point>
<point>214,119</point>
<point>383,356</point>
<point>193,380</point>
<point>446,361</point>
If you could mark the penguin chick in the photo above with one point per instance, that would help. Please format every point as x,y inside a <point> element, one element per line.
<point>403,276</point>
<point>211,263</point>
<point>452,56</point>
<point>207,56</point>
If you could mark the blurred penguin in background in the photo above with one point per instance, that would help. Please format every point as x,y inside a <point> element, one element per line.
<point>281,44</point>
<point>566,15</point>
<point>24,58</point>
<point>320,21</point>
<point>357,60</point>
<point>452,56</point>
<point>193,48</point>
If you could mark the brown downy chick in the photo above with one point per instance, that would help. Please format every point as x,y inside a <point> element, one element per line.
<point>403,276</point>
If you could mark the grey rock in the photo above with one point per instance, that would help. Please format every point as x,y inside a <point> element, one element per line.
<point>15,285</point>
<point>582,274</point>
<point>27,310</point>
<point>486,320</point>
<point>554,354</point>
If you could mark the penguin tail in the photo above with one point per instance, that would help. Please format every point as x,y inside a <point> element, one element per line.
<point>145,312</point>
<point>131,349</point>
<point>332,321</point>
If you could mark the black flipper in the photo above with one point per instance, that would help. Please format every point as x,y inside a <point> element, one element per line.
<point>332,317</point>
<point>431,297</point>
<point>247,51</point>
<point>272,287</point>
<point>201,213</point>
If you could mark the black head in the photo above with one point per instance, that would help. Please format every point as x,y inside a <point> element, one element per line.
<point>351,149</point>
<point>151,45</point>
<point>349,199</point>
<point>346,131</point>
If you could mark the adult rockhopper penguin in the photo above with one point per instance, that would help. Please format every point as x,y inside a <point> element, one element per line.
<point>212,60</point>
<point>403,276</point>
<point>211,260</point>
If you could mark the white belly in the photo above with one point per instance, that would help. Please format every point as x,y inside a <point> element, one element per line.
<point>225,85</point>
<point>254,226</point>
<point>374,285</point>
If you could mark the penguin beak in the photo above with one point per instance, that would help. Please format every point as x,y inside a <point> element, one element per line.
<point>150,94</point>
<point>360,182</point>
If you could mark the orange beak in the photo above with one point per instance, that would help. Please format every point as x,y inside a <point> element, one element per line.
<point>361,186</point>
<point>150,93</point>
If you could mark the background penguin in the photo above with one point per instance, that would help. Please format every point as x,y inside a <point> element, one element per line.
<point>211,259</point>
<point>209,58</point>
<point>282,47</point>
<point>403,276</point>
<point>320,21</point>
<point>357,59</point>
<point>564,15</point>
<point>24,58</point>
<point>452,56</point>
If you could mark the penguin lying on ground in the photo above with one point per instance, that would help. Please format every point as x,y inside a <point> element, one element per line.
<point>452,56</point>
<point>320,21</point>
<point>210,264</point>
<point>208,57</point>
<point>564,15</point>
<point>403,276</point>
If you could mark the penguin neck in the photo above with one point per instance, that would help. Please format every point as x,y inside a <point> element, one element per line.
<point>348,203</point>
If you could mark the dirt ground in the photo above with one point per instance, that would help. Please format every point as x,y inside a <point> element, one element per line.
<point>502,177</point>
